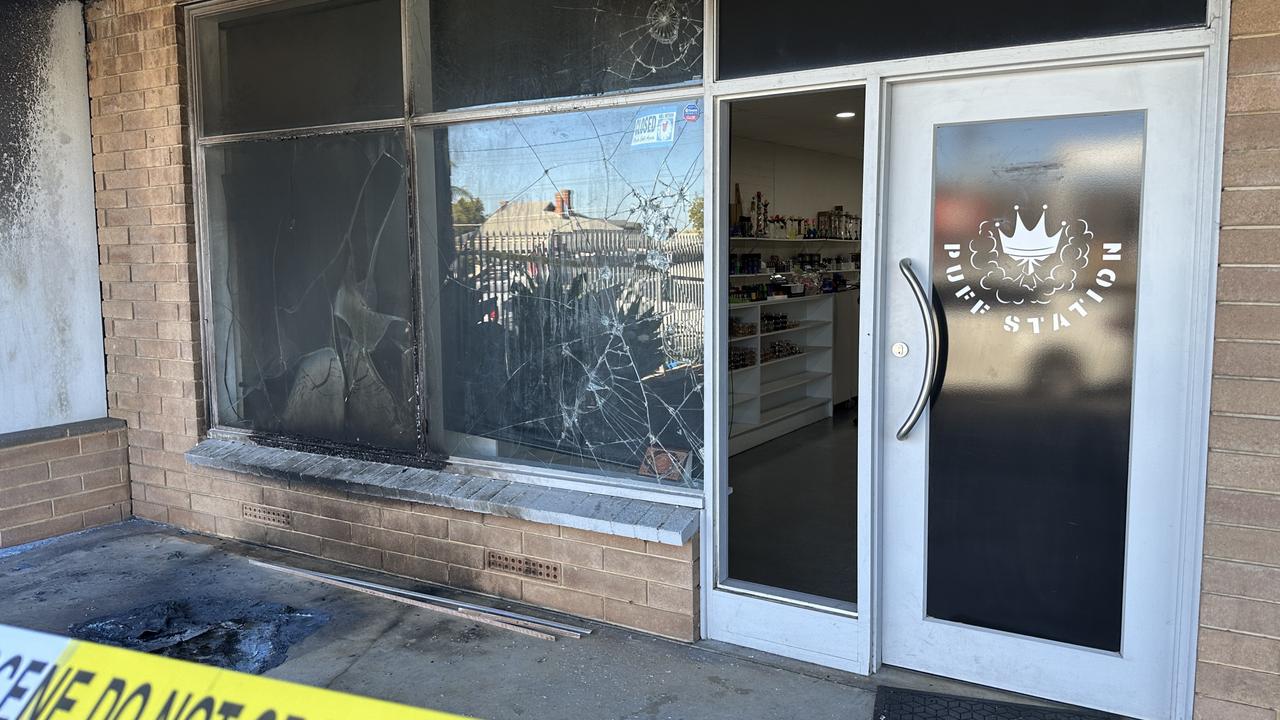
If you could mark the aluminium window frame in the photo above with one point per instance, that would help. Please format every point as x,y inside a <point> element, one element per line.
<point>408,123</point>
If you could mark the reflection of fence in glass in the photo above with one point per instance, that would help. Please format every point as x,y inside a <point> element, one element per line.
<point>601,341</point>
<point>665,276</point>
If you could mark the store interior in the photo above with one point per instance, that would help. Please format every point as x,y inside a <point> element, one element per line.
<point>795,255</point>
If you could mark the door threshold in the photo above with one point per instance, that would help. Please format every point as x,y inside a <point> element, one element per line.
<point>886,676</point>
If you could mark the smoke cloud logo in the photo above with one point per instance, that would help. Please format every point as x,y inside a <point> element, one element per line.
<point>1038,276</point>
<point>1026,264</point>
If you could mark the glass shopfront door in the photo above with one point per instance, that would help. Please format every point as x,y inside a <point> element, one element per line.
<point>1037,226</point>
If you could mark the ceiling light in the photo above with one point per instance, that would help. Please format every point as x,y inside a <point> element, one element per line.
<point>846,114</point>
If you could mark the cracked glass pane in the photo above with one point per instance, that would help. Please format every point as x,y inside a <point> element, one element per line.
<point>312,304</point>
<point>300,63</point>
<point>480,52</point>
<point>563,263</point>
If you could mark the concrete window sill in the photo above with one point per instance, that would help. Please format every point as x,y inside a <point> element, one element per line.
<point>623,517</point>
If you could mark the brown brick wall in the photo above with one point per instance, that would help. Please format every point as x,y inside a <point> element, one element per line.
<point>637,584</point>
<point>1238,674</point>
<point>146,241</point>
<point>60,486</point>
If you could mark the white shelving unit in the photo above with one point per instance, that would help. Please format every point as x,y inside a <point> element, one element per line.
<point>775,397</point>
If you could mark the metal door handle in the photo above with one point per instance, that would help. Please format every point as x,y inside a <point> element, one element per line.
<point>931,333</point>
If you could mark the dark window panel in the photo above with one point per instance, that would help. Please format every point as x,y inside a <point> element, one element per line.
<point>1035,267</point>
<point>759,37</point>
<point>565,267</point>
<point>312,307</point>
<point>481,52</point>
<point>306,64</point>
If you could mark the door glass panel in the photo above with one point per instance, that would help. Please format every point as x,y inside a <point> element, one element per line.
<point>794,276</point>
<point>1035,250</point>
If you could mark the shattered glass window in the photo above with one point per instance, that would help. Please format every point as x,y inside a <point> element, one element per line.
<point>311,291</point>
<point>480,52</point>
<point>300,63</point>
<point>566,281</point>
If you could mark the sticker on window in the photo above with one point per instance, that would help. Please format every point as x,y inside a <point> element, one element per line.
<point>655,129</point>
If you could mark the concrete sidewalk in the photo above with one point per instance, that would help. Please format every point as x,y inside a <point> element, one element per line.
<point>384,649</point>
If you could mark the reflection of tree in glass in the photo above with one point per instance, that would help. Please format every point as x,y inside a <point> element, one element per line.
<point>468,211</point>
<point>695,214</point>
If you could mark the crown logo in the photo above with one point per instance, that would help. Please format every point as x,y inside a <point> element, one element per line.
<point>1030,246</point>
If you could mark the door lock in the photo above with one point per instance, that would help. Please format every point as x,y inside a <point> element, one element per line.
<point>899,349</point>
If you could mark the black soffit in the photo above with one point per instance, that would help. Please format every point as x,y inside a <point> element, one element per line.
<point>758,37</point>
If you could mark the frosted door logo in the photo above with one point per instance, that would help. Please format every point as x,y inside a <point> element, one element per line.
<point>1043,280</point>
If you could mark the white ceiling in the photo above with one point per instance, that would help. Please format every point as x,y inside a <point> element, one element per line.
<point>808,121</point>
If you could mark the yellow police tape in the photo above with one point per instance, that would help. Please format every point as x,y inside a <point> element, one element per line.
<point>43,677</point>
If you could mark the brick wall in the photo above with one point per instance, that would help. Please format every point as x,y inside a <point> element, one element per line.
<point>1238,676</point>
<point>146,242</point>
<point>644,585</point>
<point>58,486</point>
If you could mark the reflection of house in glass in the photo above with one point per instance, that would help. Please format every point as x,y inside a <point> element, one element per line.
<point>585,345</point>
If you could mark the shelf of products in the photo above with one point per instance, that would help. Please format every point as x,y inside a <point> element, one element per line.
<point>787,383</point>
<point>777,301</point>
<point>795,326</point>
<point>741,358</point>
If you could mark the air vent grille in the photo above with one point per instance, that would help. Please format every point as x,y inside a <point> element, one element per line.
<point>267,515</point>
<point>523,566</point>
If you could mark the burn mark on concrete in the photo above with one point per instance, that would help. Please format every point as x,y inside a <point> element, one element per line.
<point>236,635</point>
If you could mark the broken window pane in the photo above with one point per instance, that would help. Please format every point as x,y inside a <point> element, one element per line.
<point>309,251</point>
<point>302,63</point>
<point>480,52</point>
<point>564,267</point>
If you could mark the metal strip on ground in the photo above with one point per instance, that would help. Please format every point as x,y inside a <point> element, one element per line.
<point>513,616</point>
<point>472,615</point>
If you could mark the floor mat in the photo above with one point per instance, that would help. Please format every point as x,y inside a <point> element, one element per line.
<point>901,704</point>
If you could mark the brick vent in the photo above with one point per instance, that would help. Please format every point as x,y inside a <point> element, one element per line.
<point>523,566</point>
<point>60,486</point>
<point>1238,669</point>
<point>266,516</point>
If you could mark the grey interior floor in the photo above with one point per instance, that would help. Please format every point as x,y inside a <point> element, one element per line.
<point>380,648</point>
<point>793,514</point>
